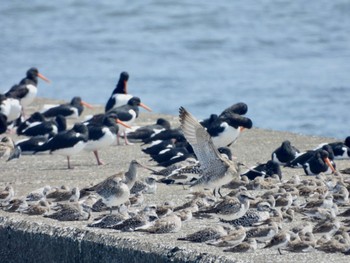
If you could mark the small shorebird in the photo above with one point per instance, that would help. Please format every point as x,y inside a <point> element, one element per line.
<point>207,234</point>
<point>231,208</point>
<point>40,208</point>
<point>280,240</point>
<point>38,194</point>
<point>70,212</point>
<point>6,195</point>
<point>263,233</point>
<point>216,170</point>
<point>169,224</point>
<point>8,149</point>
<point>114,192</point>
<point>59,195</point>
<point>233,238</point>
<point>109,221</point>
<point>247,246</point>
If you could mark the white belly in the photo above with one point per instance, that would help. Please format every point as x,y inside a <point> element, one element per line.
<point>105,141</point>
<point>71,151</point>
<point>28,99</point>
<point>227,137</point>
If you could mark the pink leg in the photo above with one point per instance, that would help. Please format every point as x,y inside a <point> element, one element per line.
<point>99,162</point>
<point>126,140</point>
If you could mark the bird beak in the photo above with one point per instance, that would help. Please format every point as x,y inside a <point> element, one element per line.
<point>43,78</point>
<point>145,107</point>
<point>122,123</point>
<point>241,128</point>
<point>328,162</point>
<point>87,105</point>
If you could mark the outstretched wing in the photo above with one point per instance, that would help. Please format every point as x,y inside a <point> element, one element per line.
<point>202,144</point>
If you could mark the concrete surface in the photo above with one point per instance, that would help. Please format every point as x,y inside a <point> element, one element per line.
<point>37,239</point>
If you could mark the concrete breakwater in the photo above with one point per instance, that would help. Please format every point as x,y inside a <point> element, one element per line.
<point>38,239</point>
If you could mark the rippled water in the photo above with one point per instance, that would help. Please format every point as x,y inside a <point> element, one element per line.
<point>288,60</point>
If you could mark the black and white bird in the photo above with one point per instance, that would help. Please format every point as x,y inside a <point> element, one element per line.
<point>319,163</point>
<point>225,130</point>
<point>102,135</point>
<point>145,132</point>
<point>120,94</point>
<point>284,153</point>
<point>10,107</point>
<point>26,90</point>
<point>302,158</point>
<point>69,110</point>
<point>67,143</point>
<point>264,169</point>
<point>40,126</point>
<point>341,150</point>
<point>128,114</point>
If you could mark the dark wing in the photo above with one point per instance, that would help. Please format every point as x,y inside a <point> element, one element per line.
<point>110,103</point>
<point>64,110</point>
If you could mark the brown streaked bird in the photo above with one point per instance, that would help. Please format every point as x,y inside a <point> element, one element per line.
<point>8,150</point>
<point>233,238</point>
<point>280,240</point>
<point>216,170</point>
<point>6,195</point>
<point>247,246</point>
<point>207,234</point>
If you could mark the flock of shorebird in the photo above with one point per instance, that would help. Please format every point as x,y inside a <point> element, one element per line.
<point>254,212</point>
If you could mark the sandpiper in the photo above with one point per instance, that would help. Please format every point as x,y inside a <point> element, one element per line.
<point>70,212</point>
<point>231,208</point>
<point>169,224</point>
<point>233,238</point>
<point>280,240</point>
<point>207,234</point>
<point>216,170</point>
<point>247,246</point>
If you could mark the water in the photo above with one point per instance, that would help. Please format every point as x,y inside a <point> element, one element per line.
<point>288,60</point>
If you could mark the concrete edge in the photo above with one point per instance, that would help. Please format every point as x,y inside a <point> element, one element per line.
<point>28,241</point>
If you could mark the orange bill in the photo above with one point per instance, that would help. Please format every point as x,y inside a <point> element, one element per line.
<point>145,107</point>
<point>87,105</point>
<point>328,162</point>
<point>241,128</point>
<point>43,78</point>
<point>122,123</point>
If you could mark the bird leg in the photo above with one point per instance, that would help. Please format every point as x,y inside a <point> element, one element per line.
<point>68,160</point>
<point>118,136</point>
<point>279,251</point>
<point>219,191</point>
<point>99,162</point>
<point>126,140</point>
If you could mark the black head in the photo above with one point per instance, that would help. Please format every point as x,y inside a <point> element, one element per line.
<point>239,108</point>
<point>164,123</point>
<point>32,73</point>
<point>236,120</point>
<point>272,168</point>
<point>36,116</point>
<point>323,154</point>
<point>134,101</point>
<point>347,141</point>
<point>121,87</point>
<point>124,76</point>
<point>80,128</point>
<point>329,150</point>
<point>76,101</point>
